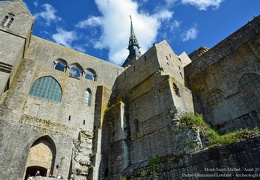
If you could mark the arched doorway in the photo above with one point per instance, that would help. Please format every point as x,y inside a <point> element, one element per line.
<point>33,169</point>
<point>41,157</point>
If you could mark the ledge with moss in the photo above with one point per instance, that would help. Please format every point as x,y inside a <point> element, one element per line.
<point>190,120</point>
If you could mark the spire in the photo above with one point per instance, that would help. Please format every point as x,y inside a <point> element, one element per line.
<point>133,46</point>
<point>132,39</point>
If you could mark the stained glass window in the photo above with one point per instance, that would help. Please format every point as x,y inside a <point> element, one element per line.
<point>248,81</point>
<point>75,72</point>
<point>46,88</point>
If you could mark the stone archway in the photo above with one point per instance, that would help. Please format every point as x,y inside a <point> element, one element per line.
<point>41,157</point>
<point>31,170</point>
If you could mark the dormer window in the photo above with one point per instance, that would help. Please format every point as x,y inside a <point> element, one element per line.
<point>8,20</point>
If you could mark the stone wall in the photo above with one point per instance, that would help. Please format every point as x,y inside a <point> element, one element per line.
<point>214,79</point>
<point>149,93</point>
<point>234,161</point>
<point>224,48</point>
<point>14,41</point>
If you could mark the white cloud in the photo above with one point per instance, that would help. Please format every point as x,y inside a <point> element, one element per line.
<point>115,27</point>
<point>176,23</point>
<point>170,2</point>
<point>190,34</point>
<point>48,14</point>
<point>203,4</point>
<point>91,21</point>
<point>35,3</point>
<point>64,37</point>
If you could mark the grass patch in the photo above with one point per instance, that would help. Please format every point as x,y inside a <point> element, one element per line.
<point>192,144</point>
<point>216,139</point>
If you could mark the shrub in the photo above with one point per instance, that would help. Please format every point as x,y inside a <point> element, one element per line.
<point>196,120</point>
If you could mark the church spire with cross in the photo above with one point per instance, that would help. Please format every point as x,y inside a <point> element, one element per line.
<point>133,47</point>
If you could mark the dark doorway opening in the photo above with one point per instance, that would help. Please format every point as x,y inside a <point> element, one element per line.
<point>33,169</point>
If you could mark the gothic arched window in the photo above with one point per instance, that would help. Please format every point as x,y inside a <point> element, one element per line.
<point>214,97</point>
<point>87,97</point>
<point>60,65</point>
<point>90,75</point>
<point>249,81</point>
<point>46,88</point>
<point>75,72</point>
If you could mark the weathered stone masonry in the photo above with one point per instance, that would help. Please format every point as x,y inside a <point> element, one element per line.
<point>68,113</point>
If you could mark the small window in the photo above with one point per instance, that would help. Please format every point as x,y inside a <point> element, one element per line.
<point>249,81</point>
<point>214,98</point>
<point>8,20</point>
<point>90,75</point>
<point>181,75</point>
<point>87,97</point>
<point>136,125</point>
<point>176,89</point>
<point>75,72</point>
<point>4,21</point>
<point>60,65</point>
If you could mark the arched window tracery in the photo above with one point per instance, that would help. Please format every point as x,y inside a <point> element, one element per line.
<point>46,88</point>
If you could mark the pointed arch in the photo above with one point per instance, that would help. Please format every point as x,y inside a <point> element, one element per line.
<point>46,88</point>
<point>75,70</point>
<point>41,157</point>
<point>90,74</point>
<point>249,81</point>
<point>87,97</point>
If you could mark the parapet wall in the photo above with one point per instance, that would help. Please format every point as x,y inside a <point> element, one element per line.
<point>225,47</point>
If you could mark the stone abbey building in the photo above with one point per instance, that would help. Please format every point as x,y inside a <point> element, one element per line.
<point>65,112</point>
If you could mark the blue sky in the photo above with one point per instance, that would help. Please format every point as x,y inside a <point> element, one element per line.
<point>101,27</point>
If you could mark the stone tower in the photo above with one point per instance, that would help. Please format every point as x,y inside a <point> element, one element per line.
<point>15,33</point>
